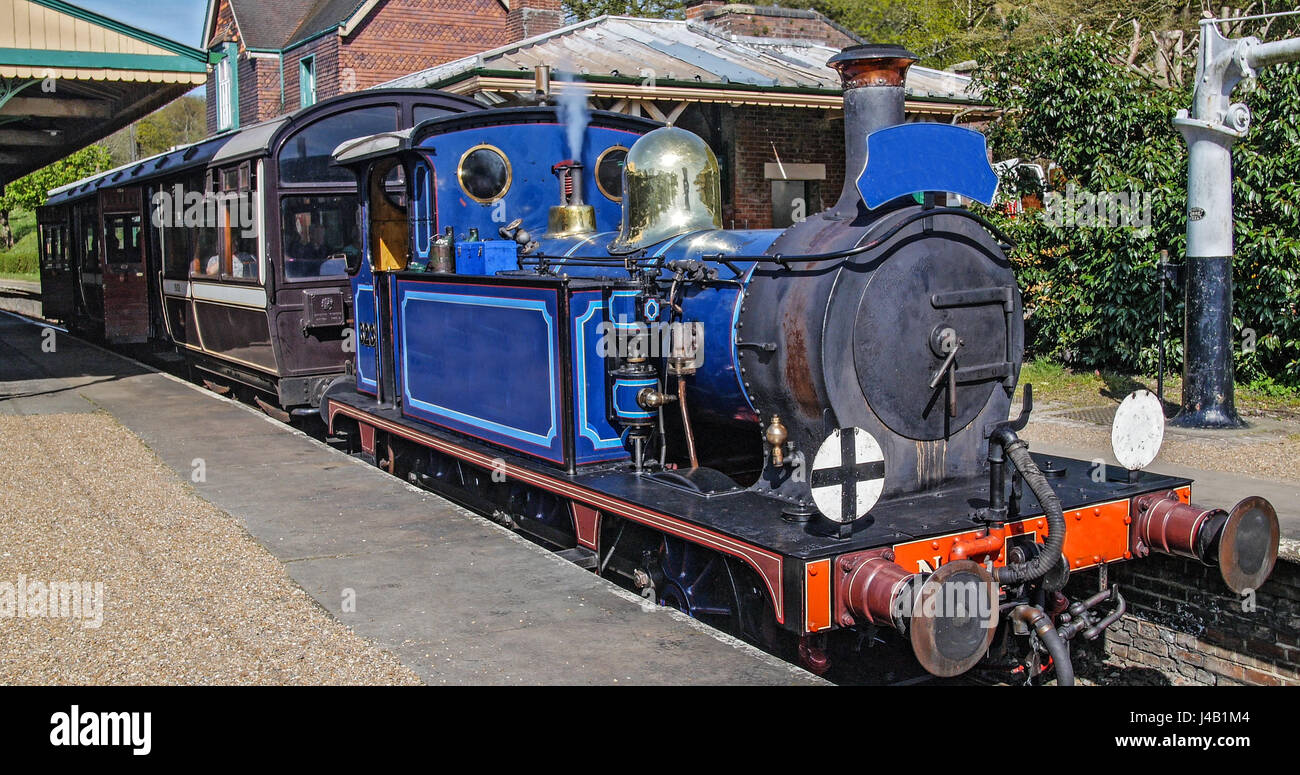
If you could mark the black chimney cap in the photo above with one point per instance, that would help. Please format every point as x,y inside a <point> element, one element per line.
<point>873,51</point>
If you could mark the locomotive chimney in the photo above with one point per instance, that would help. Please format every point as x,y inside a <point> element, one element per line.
<point>873,76</point>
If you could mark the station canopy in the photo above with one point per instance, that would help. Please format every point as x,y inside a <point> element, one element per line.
<point>70,77</point>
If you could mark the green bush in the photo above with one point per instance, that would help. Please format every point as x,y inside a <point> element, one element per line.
<point>1092,293</point>
<point>24,257</point>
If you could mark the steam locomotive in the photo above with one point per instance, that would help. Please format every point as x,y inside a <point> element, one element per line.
<point>791,435</point>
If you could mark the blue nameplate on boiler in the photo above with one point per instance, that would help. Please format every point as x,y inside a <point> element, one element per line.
<point>914,158</point>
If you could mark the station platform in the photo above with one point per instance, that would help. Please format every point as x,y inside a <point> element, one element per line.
<point>456,598</point>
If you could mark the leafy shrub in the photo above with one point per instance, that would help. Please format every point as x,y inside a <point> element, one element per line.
<point>1092,293</point>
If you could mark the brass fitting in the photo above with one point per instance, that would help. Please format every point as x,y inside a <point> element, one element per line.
<point>650,398</point>
<point>775,434</point>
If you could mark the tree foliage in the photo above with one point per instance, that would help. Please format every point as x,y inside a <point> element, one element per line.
<point>180,122</point>
<point>944,32</point>
<point>1093,292</point>
<point>581,10</point>
<point>30,191</point>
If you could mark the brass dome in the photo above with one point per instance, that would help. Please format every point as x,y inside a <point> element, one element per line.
<point>671,186</point>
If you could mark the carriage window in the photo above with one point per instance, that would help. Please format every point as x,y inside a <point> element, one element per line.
<point>52,241</point>
<point>306,157</point>
<point>484,173</point>
<point>122,239</point>
<point>609,172</point>
<point>204,250</point>
<point>238,226</point>
<point>423,113</point>
<point>89,240</point>
<point>319,233</point>
<point>193,246</point>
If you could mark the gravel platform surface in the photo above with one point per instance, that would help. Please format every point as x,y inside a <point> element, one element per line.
<point>189,597</point>
<point>1274,455</point>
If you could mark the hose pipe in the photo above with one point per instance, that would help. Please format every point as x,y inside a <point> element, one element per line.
<point>1017,451</point>
<point>1056,646</point>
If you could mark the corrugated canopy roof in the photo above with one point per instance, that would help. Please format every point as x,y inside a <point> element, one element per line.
<point>680,51</point>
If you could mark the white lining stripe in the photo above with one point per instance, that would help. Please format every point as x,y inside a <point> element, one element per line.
<point>230,294</point>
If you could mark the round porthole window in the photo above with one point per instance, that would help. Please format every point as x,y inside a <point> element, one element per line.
<point>609,172</point>
<point>484,173</point>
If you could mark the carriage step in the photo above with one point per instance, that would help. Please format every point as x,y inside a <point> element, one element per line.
<point>580,556</point>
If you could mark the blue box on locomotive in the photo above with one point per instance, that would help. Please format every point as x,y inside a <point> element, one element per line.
<point>486,257</point>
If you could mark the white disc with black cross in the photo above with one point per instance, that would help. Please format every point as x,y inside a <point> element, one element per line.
<point>848,474</point>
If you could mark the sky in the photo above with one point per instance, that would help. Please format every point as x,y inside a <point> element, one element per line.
<point>180,20</point>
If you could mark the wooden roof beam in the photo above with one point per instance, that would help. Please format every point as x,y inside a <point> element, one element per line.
<point>29,136</point>
<point>45,107</point>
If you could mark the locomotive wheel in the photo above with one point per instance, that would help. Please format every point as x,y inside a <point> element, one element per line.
<point>386,458</point>
<point>699,583</point>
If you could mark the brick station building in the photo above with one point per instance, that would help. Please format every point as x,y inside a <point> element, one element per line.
<point>276,56</point>
<point>751,80</point>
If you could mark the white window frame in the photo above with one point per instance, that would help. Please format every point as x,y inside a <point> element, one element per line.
<point>307,67</point>
<point>225,116</point>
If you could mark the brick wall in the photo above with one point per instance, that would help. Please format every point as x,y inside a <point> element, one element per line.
<point>801,136</point>
<point>1184,623</point>
<point>404,36</point>
<point>259,90</point>
<point>771,22</point>
<point>397,38</point>
<point>211,107</point>
<point>325,49</point>
<point>534,17</point>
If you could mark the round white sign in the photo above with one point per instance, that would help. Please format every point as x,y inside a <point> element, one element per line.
<point>848,474</point>
<point>1138,430</point>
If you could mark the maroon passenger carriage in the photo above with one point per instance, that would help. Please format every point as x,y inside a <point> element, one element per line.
<point>230,250</point>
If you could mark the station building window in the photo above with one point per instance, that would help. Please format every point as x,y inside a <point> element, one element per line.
<point>307,82</point>
<point>796,191</point>
<point>227,99</point>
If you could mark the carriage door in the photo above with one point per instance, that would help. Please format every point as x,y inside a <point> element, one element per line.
<point>88,300</point>
<point>153,271</point>
<point>58,281</point>
<point>126,287</point>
